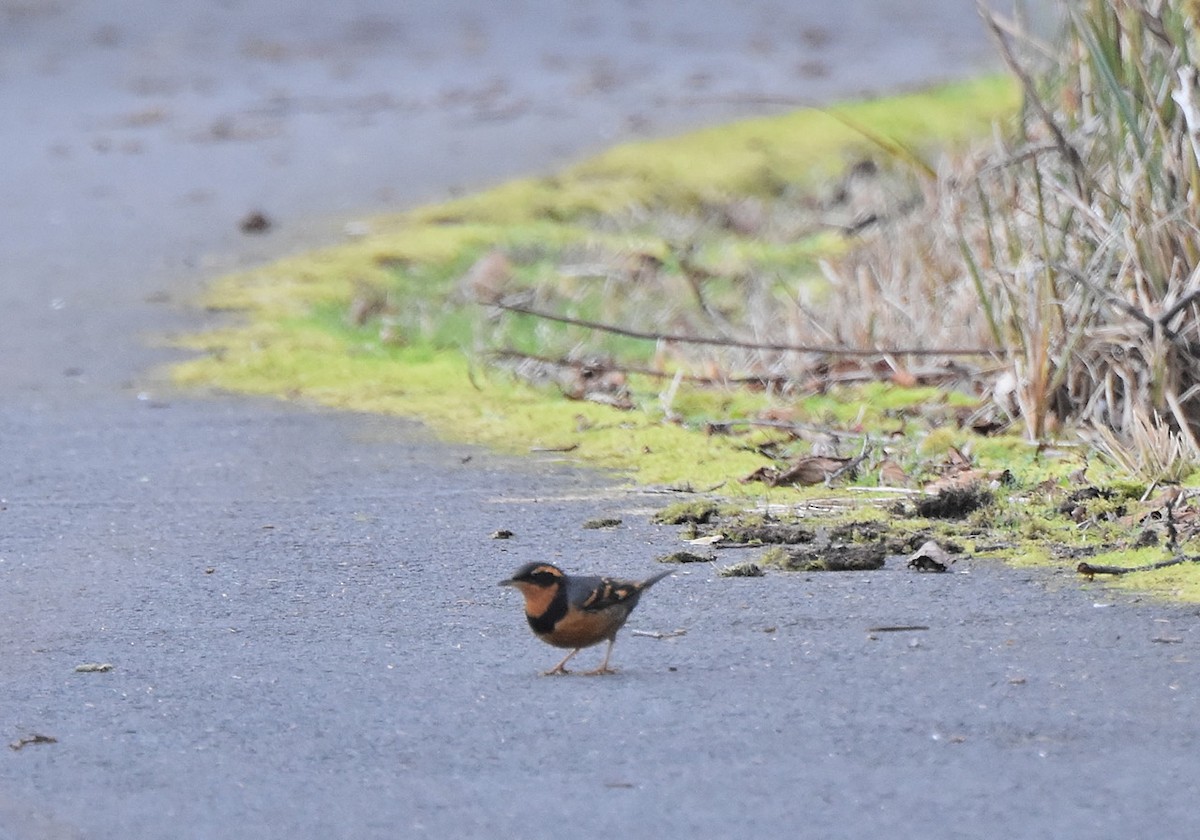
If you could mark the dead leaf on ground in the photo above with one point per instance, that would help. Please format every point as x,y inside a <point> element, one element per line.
<point>594,380</point>
<point>967,478</point>
<point>892,474</point>
<point>956,459</point>
<point>22,743</point>
<point>94,668</point>
<point>486,280</point>
<point>814,469</point>
<point>764,474</point>
<point>778,414</point>
<point>930,557</point>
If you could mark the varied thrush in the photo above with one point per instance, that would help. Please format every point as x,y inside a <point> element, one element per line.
<point>573,611</point>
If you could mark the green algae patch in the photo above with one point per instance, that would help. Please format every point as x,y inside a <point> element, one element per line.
<point>1176,583</point>
<point>305,362</point>
<point>400,322</point>
<point>698,512</point>
<point>387,322</point>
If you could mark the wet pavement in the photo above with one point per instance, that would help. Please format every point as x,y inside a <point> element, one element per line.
<point>300,606</point>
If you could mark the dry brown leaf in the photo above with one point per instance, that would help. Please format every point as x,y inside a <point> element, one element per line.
<point>892,474</point>
<point>930,557</point>
<point>1047,486</point>
<point>955,481</point>
<point>485,281</point>
<point>766,475</point>
<point>956,459</point>
<point>968,478</point>
<point>1166,498</point>
<point>778,414</point>
<point>814,469</point>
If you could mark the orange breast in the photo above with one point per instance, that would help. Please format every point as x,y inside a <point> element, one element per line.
<point>582,629</point>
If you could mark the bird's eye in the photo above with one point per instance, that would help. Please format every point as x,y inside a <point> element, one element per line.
<point>544,578</point>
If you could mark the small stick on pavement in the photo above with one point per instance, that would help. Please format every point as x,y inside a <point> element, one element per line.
<point>1089,570</point>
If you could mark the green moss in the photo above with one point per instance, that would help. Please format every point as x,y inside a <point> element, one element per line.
<point>775,557</point>
<point>939,442</point>
<point>698,512</point>
<point>1177,583</point>
<point>1028,553</point>
<point>304,362</point>
<point>297,344</point>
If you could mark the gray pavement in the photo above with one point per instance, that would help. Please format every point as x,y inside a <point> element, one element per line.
<point>301,605</point>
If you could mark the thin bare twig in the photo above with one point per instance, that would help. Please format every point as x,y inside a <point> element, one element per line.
<point>747,345</point>
<point>1069,152</point>
<point>850,465</point>
<point>1089,570</point>
<point>923,376</point>
<point>764,380</point>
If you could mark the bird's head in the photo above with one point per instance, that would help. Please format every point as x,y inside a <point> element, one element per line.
<point>539,583</point>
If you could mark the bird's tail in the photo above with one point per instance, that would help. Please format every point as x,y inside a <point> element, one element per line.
<point>650,581</point>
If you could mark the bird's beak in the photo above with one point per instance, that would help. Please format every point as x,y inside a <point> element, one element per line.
<point>509,582</point>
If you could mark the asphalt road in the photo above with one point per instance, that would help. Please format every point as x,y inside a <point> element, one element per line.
<point>301,606</point>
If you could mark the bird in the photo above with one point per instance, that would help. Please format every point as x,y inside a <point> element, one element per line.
<point>576,611</point>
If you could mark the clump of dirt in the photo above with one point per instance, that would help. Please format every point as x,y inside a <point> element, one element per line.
<point>972,521</point>
<point>684,513</point>
<point>857,545</point>
<point>955,502</point>
<point>599,524</point>
<point>686,557</point>
<point>830,558</point>
<point>1092,502</point>
<point>768,534</point>
<point>860,531</point>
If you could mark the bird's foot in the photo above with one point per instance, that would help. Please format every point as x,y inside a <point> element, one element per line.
<point>599,672</point>
<point>554,672</point>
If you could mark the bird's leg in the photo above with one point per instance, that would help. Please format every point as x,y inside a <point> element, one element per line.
<point>604,669</point>
<point>559,669</point>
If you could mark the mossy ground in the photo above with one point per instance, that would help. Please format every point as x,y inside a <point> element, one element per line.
<point>292,339</point>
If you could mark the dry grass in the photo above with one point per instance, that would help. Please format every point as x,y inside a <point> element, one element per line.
<point>1073,245</point>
